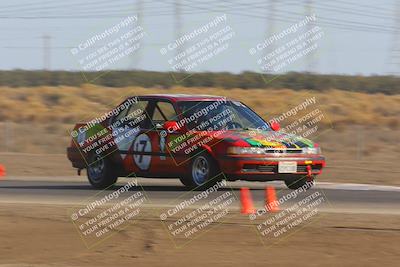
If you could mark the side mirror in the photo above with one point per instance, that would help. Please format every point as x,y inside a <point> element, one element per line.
<point>275,126</point>
<point>171,126</point>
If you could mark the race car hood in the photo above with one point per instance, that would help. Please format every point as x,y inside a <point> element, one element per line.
<point>258,138</point>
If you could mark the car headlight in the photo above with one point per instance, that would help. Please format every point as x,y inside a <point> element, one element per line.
<point>311,150</point>
<point>246,150</point>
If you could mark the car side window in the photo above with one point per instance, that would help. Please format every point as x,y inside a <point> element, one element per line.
<point>134,116</point>
<point>120,115</point>
<point>164,111</point>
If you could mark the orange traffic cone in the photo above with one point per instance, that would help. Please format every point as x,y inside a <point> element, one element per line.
<point>271,203</point>
<point>2,171</point>
<point>246,201</point>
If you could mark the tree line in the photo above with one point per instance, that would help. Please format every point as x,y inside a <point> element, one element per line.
<point>244,80</point>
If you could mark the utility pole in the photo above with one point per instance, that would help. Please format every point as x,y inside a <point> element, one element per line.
<point>394,55</point>
<point>178,28</point>
<point>46,52</point>
<point>310,58</point>
<point>137,55</point>
<point>270,18</point>
<point>270,26</point>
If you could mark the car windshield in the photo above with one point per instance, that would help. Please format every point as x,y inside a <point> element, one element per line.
<point>218,115</point>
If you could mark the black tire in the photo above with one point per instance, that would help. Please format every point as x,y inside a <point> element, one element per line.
<point>101,172</point>
<point>297,182</point>
<point>212,175</point>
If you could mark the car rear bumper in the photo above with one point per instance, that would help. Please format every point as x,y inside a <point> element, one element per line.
<point>76,158</point>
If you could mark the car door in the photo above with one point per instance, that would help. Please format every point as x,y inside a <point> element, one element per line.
<point>127,129</point>
<point>162,162</point>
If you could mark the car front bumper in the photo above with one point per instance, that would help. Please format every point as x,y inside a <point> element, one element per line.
<point>262,168</point>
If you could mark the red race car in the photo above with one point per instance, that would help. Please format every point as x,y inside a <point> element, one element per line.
<point>198,139</point>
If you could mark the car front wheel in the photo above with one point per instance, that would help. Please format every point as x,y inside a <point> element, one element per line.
<point>204,172</point>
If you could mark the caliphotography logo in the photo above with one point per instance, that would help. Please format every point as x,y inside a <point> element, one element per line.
<point>195,213</point>
<point>108,212</point>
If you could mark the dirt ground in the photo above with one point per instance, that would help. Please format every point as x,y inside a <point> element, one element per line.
<point>45,236</point>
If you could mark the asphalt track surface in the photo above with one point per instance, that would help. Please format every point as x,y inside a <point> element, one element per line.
<point>349,198</point>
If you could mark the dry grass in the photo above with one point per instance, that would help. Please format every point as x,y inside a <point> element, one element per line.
<point>71,104</point>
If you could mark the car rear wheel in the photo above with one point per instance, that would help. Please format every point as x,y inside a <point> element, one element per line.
<point>101,172</point>
<point>297,182</point>
<point>204,172</point>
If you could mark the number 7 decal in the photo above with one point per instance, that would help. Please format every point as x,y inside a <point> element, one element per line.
<point>141,147</point>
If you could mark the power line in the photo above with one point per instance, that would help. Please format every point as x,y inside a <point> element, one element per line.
<point>102,6</point>
<point>339,24</point>
<point>57,5</point>
<point>358,5</point>
<point>27,4</point>
<point>285,18</point>
<point>285,12</point>
<point>376,14</point>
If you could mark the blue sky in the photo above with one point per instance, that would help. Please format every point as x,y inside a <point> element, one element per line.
<point>358,37</point>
